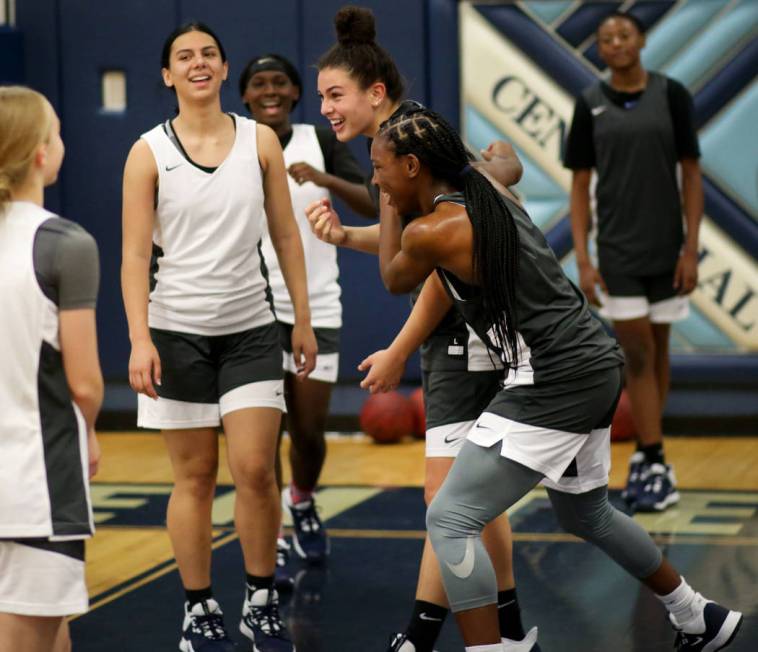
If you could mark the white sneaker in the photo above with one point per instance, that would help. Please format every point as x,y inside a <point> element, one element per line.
<point>526,644</point>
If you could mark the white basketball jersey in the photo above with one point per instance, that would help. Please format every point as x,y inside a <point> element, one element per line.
<point>320,258</point>
<point>44,487</point>
<point>209,226</point>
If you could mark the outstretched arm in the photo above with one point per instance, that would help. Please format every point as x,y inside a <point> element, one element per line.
<point>385,368</point>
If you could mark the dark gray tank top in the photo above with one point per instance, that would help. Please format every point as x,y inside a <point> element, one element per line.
<point>638,206</point>
<point>562,338</point>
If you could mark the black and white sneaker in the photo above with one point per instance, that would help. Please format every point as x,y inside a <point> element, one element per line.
<point>263,625</point>
<point>658,491</point>
<point>718,631</point>
<point>283,580</point>
<point>635,480</point>
<point>203,629</point>
<point>308,535</point>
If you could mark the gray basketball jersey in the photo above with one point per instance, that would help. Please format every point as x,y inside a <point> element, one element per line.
<point>639,213</point>
<point>44,487</point>
<point>558,338</point>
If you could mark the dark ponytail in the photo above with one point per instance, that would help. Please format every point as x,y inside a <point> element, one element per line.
<point>437,145</point>
<point>357,51</point>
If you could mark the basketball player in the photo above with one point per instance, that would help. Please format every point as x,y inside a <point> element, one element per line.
<point>318,164</point>
<point>51,387</point>
<point>205,345</point>
<point>633,130</point>
<point>550,422</point>
<point>360,87</point>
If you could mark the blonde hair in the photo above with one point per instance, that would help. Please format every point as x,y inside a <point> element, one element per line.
<point>25,123</point>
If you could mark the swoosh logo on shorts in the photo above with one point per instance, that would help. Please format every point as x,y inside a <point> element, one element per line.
<point>450,439</point>
<point>464,569</point>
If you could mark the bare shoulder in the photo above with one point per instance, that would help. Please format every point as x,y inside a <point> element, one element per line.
<point>439,231</point>
<point>141,162</point>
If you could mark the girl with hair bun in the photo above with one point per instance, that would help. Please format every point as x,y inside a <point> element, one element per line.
<point>476,248</point>
<point>51,387</point>
<point>360,88</point>
<point>205,344</point>
<point>317,165</point>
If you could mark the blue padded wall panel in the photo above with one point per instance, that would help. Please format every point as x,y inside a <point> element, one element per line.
<point>38,21</point>
<point>98,142</point>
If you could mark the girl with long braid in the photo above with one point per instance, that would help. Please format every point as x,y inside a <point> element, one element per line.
<point>550,422</point>
<point>360,87</point>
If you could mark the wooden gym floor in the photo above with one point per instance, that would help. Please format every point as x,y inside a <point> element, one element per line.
<point>372,503</point>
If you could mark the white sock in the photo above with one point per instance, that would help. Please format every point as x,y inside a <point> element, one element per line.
<point>686,607</point>
<point>494,647</point>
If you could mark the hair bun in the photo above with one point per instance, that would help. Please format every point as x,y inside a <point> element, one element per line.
<point>355,26</point>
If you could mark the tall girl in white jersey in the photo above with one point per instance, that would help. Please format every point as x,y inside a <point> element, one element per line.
<point>50,385</point>
<point>361,87</point>
<point>317,165</point>
<point>205,348</point>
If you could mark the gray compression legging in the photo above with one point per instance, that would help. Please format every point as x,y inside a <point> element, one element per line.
<point>480,486</point>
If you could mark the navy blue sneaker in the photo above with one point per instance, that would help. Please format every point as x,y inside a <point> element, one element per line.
<point>283,580</point>
<point>203,629</point>
<point>634,482</point>
<point>659,489</point>
<point>263,625</point>
<point>720,629</point>
<point>526,644</point>
<point>308,535</point>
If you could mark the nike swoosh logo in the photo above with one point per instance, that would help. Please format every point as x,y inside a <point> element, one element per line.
<point>505,604</point>
<point>278,393</point>
<point>464,569</point>
<point>481,427</point>
<point>172,167</point>
<point>423,616</point>
<point>597,110</point>
<point>450,440</point>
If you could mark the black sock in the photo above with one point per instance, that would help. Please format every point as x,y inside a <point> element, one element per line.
<point>425,625</point>
<point>197,595</point>
<point>254,583</point>
<point>509,615</point>
<point>653,453</point>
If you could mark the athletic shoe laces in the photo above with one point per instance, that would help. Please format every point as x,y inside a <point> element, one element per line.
<point>211,626</point>
<point>266,617</point>
<point>309,520</point>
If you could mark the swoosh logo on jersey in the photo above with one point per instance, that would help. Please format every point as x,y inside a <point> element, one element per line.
<point>423,616</point>
<point>479,426</point>
<point>597,110</point>
<point>464,569</point>
<point>172,167</point>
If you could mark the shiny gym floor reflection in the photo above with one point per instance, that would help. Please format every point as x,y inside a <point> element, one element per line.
<point>579,599</point>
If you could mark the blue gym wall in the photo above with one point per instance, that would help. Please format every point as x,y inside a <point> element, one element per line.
<point>69,43</point>
<point>61,47</point>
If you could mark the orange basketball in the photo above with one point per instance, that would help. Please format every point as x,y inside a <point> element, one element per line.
<point>622,427</point>
<point>419,414</point>
<point>387,418</point>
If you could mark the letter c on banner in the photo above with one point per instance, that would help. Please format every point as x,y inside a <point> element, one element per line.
<point>510,94</point>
